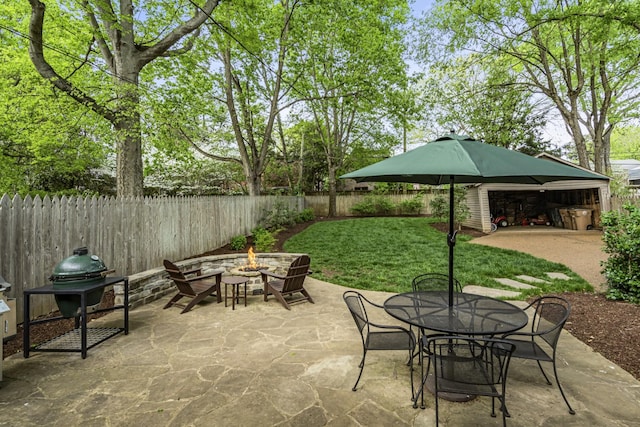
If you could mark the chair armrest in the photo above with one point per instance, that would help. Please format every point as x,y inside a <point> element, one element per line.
<point>213,273</point>
<point>197,271</point>
<point>266,273</point>
<point>519,334</point>
<point>372,303</point>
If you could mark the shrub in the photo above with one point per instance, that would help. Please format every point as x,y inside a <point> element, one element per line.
<point>440,205</point>
<point>306,215</point>
<point>622,243</point>
<point>238,243</point>
<point>263,239</point>
<point>280,216</point>
<point>411,206</point>
<point>374,205</point>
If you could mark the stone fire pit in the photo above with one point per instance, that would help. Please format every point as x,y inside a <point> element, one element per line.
<point>154,284</point>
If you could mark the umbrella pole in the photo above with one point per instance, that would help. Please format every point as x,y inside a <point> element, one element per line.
<point>451,237</point>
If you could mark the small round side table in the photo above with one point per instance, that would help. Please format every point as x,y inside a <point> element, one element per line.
<point>235,282</point>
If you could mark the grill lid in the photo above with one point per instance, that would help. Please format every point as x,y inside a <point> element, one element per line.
<point>79,266</point>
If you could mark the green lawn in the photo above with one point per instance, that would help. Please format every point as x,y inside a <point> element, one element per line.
<point>385,254</point>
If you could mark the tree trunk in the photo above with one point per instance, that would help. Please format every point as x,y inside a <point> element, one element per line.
<point>332,192</point>
<point>129,171</point>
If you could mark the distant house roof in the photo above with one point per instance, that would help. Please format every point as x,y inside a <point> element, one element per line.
<point>631,166</point>
<point>548,156</point>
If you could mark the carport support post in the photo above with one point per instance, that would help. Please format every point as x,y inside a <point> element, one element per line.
<point>451,237</point>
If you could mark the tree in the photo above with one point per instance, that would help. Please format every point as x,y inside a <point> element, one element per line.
<point>47,141</point>
<point>479,99</point>
<point>352,56</point>
<point>625,143</point>
<point>580,55</point>
<point>126,41</point>
<point>240,106</point>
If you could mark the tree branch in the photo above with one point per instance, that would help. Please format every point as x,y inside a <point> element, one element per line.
<point>44,68</point>
<point>148,53</point>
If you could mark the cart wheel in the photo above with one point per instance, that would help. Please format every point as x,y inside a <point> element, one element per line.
<point>532,223</point>
<point>503,223</point>
<point>494,227</point>
<point>548,223</point>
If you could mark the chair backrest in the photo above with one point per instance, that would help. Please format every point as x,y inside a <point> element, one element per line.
<point>469,361</point>
<point>551,313</point>
<point>434,282</point>
<point>178,277</point>
<point>298,271</point>
<point>355,305</point>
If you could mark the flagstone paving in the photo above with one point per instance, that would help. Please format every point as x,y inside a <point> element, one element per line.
<point>264,365</point>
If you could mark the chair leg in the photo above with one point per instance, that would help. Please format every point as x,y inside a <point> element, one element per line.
<point>411,371</point>
<point>364,355</point>
<point>543,373</point>
<point>195,301</point>
<point>218,291</point>
<point>173,300</point>
<point>306,294</point>
<point>555,372</point>
<point>280,298</point>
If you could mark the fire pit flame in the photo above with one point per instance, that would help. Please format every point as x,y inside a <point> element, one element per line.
<point>251,257</point>
<point>252,264</point>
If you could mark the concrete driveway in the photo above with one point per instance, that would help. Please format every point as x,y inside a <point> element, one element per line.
<point>581,251</point>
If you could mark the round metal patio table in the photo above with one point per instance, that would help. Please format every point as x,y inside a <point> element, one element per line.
<point>468,314</point>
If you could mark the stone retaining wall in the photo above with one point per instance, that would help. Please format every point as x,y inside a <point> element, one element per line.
<point>154,284</point>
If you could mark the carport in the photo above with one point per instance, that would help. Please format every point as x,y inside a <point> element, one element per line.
<point>523,204</point>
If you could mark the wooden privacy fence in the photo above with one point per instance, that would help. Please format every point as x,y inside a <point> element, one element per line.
<point>618,202</point>
<point>129,234</point>
<point>344,202</point>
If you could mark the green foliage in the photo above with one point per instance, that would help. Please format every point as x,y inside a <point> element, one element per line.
<point>306,215</point>
<point>374,204</point>
<point>263,239</point>
<point>440,205</point>
<point>622,243</point>
<point>386,253</point>
<point>411,206</point>
<point>280,216</point>
<point>238,243</point>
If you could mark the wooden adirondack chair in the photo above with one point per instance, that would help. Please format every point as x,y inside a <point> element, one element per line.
<point>193,284</point>
<point>292,283</point>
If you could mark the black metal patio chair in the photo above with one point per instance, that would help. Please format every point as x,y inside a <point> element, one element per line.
<point>468,366</point>
<point>376,336</point>
<point>551,313</point>
<point>434,282</point>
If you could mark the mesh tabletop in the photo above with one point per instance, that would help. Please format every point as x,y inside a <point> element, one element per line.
<point>468,314</point>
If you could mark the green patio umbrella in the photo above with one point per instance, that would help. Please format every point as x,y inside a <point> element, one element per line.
<point>455,159</point>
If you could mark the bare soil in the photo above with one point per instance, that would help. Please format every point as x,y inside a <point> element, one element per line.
<point>611,328</point>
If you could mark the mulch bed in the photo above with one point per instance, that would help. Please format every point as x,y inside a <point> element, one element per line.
<point>611,328</point>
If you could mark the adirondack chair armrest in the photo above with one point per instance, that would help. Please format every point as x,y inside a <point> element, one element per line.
<point>267,273</point>
<point>206,276</point>
<point>196,271</point>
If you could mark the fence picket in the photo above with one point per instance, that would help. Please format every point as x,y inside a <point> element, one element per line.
<point>131,234</point>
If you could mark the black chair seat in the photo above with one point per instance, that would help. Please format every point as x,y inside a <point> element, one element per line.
<point>389,340</point>
<point>529,350</point>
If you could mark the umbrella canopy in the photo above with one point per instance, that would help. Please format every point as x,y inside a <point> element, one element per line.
<point>456,159</point>
<point>469,161</point>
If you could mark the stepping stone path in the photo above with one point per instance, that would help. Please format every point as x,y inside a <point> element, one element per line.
<point>516,284</point>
